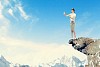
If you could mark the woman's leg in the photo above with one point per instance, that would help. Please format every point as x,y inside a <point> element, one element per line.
<point>74,34</point>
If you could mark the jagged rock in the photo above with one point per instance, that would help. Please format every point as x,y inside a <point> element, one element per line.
<point>90,47</point>
<point>66,62</point>
<point>86,45</point>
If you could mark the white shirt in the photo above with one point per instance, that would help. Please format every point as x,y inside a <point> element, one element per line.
<point>72,16</point>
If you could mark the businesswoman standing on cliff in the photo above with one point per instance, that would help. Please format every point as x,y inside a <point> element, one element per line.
<point>72,16</point>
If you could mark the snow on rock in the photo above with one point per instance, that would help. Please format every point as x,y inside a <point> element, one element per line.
<point>4,62</point>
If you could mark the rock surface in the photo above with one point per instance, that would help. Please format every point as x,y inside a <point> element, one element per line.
<point>87,46</point>
<point>90,47</point>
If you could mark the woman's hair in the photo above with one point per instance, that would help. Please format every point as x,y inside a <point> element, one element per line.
<point>73,9</point>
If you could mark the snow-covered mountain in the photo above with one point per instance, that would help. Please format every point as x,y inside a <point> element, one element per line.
<point>4,62</point>
<point>65,62</point>
<point>71,58</point>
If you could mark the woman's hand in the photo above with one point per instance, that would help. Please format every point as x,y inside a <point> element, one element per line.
<point>64,13</point>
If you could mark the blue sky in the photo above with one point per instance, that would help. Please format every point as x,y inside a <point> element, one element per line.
<point>52,26</point>
<point>33,25</point>
<point>47,23</point>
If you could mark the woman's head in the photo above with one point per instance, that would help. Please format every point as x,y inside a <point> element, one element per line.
<point>73,10</point>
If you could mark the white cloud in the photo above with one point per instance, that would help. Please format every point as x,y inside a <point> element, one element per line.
<point>7,9</point>
<point>27,52</point>
<point>15,7</point>
<point>19,9</point>
<point>3,25</point>
<point>6,2</point>
<point>1,7</point>
<point>22,12</point>
<point>10,12</point>
<point>4,22</point>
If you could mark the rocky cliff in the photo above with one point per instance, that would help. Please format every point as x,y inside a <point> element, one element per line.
<point>90,47</point>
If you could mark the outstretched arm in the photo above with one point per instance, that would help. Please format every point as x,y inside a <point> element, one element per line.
<point>66,14</point>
